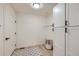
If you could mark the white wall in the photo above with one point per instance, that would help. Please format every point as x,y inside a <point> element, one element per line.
<point>30,30</point>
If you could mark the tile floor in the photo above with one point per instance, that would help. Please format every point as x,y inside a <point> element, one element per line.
<point>39,50</point>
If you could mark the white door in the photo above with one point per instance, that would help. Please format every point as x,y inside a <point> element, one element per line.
<point>72,37</point>
<point>73,41</point>
<point>59,15</point>
<point>59,42</point>
<point>73,13</point>
<point>9,30</point>
<point>59,32</point>
<point>1,29</point>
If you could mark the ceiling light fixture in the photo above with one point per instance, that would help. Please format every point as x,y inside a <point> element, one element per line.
<point>36,5</point>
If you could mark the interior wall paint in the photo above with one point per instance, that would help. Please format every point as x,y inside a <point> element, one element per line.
<point>30,30</point>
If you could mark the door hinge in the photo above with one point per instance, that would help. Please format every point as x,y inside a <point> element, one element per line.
<point>65,30</point>
<point>53,29</point>
<point>66,22</point>
<point>15,32</point>
<point>15,45</point>
<point>52,25</point>
<point>15,21</point>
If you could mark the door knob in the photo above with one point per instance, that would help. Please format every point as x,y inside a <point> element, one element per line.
<point>7,38</point>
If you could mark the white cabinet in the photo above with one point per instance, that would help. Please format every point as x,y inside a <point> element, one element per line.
<point>73,13</point>
<point>59,15</point>
<point>73,41</point>
<point>59,32</point>
<point>66,43</point>
<point>72,37</point>
<point>59,42</point>
<point>7,29</point>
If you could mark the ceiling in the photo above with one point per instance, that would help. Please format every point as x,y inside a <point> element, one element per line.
<point>27,8</point>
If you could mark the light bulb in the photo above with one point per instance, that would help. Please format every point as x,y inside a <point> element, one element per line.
<point>36,5</point>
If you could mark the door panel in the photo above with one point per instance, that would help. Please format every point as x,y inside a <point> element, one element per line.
<point>59,33</point>
<point>73,41</point>
<point>59,15</point>
<point>1,29</point>
<point>73,14</point>
<point>59,42</point>
<point>9,30</point>
<point>72,37</point>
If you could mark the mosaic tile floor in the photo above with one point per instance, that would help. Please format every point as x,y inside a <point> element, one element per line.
<point>33,51</point>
